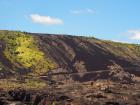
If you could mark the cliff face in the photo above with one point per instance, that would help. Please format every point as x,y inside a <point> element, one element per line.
<point>29,52</point>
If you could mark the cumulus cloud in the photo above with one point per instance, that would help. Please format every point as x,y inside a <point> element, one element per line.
<point>134,34</point>
<point>83,11</point>
<point>47,20</point>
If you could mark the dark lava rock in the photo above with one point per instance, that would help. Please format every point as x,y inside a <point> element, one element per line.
<point>114,103</point>
<point>20,95</point>
<point>2,102</point>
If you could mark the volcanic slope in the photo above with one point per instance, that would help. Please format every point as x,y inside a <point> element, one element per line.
<point>22,52</point>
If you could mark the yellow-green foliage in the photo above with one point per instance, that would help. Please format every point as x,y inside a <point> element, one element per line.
<point>21,48</point>
<point>27,52</point>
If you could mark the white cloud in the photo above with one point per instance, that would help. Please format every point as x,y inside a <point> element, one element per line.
<point>122,41</point>
<point>83,11</point>
<point>134,34</point>
<point>47,20</point>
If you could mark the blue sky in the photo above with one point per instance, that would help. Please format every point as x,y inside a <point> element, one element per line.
<point>117,20</point>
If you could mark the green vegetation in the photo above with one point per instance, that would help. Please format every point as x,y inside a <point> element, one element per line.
<point>123,49</point>
<point>22,50</point>
<point>28,84</point>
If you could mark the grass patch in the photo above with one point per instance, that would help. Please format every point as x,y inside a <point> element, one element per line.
<point>28,84</point>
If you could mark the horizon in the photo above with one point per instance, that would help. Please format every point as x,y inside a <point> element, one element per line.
<point>108,20</point>
<point>86,36</point>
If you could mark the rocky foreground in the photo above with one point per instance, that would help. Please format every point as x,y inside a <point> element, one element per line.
<point>116,87</point>
<point>101,92</point>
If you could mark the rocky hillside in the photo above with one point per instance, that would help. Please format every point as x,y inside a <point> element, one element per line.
<point>32,53</point>
<point>46,69</point>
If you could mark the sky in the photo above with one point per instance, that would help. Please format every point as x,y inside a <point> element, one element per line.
<point>117,20</point>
